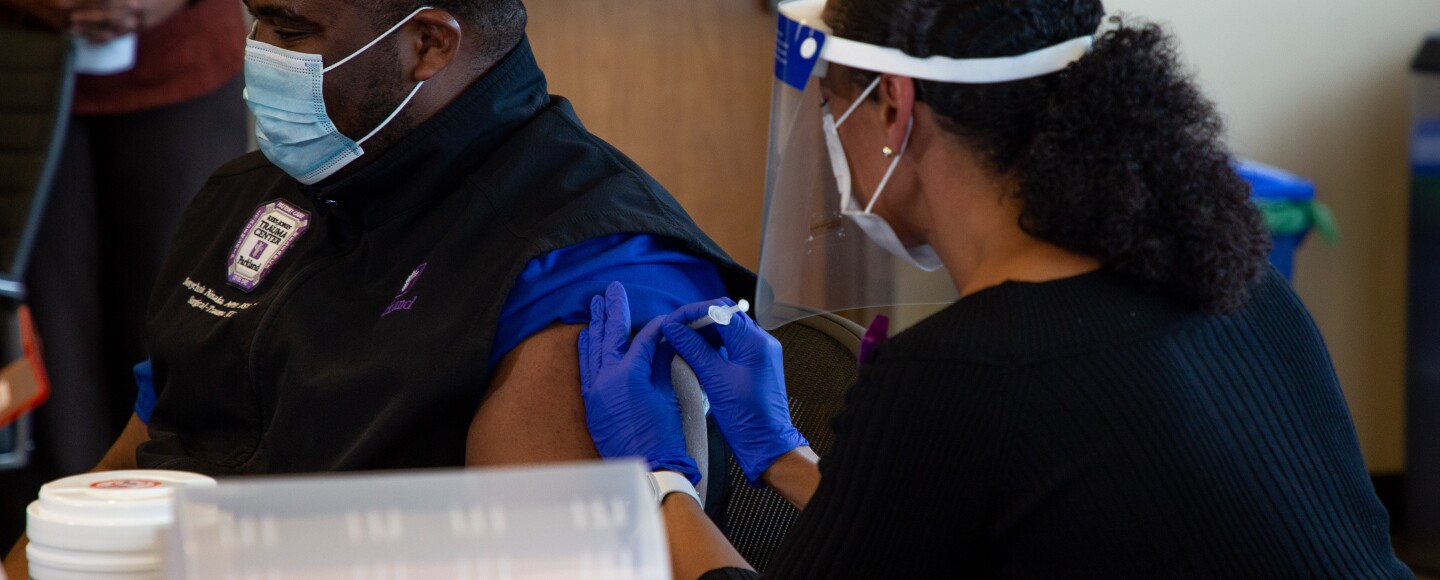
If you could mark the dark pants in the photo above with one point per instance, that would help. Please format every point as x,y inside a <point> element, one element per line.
<point>122,184</point>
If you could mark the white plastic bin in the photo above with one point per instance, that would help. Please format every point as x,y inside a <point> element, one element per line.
<point>579,521</point>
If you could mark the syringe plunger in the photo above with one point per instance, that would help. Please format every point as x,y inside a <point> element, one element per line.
<point>720,315</point>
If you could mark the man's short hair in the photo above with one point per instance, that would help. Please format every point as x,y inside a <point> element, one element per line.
<point>499,24</point>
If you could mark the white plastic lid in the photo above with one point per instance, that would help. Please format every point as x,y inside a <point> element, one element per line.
<point>117,495</point>
<point>90,534</point>
<point>117,511</point>
<point>105,562</point>
<point>43,572</point>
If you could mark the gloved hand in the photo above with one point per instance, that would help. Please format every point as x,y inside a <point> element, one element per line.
<point>747,391</point>
<point>627,414</point>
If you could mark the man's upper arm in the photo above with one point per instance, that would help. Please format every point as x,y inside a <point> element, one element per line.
<point>532,411</point>
<point>122,453</point>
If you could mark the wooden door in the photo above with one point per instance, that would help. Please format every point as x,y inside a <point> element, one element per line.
<point>682,87</point>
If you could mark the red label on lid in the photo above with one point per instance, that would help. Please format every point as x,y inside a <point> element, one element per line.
<point>126,484</point>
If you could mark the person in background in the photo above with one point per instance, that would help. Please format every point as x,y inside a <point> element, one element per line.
<point>140,144</point>
<point>1124,389</point>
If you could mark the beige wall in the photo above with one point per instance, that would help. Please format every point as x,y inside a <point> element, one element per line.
<point>1320,87</point>
<point>681,86</point>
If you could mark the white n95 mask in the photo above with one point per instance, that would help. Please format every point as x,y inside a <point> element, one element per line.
<point>284,90</point>
<point>874,226</point>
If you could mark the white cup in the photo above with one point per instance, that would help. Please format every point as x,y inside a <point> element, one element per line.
<point>106,58</point>
<point>104,526</point>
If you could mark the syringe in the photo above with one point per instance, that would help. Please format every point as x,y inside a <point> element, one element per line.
<point>687,387</point>
<point>720,315</point>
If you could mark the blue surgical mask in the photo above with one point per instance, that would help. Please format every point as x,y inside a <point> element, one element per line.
<point>284,90</point>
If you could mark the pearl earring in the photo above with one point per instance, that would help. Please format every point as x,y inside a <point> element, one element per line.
<point>888,152</point>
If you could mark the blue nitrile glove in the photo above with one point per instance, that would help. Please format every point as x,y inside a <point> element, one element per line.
<point>747,391</point>
<point>628,414</point>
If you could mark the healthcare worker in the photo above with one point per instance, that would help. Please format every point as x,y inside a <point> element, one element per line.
<point>1123,389</point>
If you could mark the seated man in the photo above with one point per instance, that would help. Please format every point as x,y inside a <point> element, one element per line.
<point>416,302</point>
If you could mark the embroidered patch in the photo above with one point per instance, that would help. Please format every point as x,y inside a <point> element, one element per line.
<point>274,228</point>
<point>400,303</point>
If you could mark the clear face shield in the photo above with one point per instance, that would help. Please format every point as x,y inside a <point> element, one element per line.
<point>823,248</point>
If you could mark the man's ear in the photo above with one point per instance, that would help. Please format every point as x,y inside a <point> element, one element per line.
<point>436,42</point>
<point>897,106</point>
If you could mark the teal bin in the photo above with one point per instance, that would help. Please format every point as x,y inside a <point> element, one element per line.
<point>1290,209</point>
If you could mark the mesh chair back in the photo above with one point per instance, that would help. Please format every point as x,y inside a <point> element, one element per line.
<point>820,365</point>
<point>36,82</point>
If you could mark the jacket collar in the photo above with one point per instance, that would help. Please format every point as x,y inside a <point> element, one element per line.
<point>433,158</point>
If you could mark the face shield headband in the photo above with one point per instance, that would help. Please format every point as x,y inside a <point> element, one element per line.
<point>812,38</point>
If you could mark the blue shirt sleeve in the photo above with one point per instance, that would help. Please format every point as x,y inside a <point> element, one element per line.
<point>145,396</point>
<point>659,278</point>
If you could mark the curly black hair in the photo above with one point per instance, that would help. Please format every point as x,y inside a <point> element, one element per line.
<point>1119,157</point>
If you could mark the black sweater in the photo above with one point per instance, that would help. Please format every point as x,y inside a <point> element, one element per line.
<point>1085,428</point>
